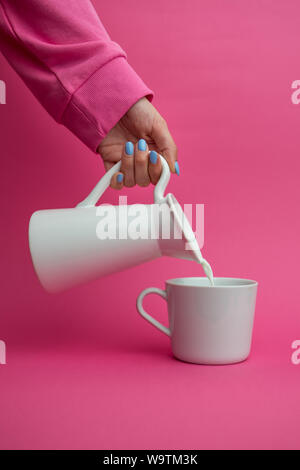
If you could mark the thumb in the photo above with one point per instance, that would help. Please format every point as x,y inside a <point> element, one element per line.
<point>165,143</point>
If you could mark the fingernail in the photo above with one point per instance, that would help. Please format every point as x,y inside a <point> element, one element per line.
<point>120,178</point>
<point>129,148</point>
<point>142,145</point>
<point>177,168</point>
<point>153,157</point>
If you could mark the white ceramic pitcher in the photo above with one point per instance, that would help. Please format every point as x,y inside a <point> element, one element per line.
<point>66,249</point>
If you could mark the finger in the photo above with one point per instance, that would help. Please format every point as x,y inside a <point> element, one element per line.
<point>141,163</point>
<point>116,181</point>
<point>164,141</point>
<point>108,165</point>
<point>154,167</point>
<point>127,165</point>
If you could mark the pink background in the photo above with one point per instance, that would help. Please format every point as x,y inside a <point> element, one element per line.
<point>83,369</point>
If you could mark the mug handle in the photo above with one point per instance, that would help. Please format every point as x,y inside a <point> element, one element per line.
<point>140,308</point>
<point>94,196</point>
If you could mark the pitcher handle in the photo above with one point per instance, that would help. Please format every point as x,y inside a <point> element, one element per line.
<point>159,189</point>
<point>94,196</point>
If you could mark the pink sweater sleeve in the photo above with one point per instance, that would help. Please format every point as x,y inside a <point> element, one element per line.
<point>64,55</point>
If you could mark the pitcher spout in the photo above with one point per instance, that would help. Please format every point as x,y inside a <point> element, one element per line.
<point>182,249</point>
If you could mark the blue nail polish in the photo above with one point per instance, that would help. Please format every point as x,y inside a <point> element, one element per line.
<point>177,168</point>
<point>120,178</point>
<point>153,157</point>
<point>142,145</point>
<point>129,148</point>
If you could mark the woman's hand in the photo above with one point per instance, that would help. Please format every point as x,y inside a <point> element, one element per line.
<point>141,129</point>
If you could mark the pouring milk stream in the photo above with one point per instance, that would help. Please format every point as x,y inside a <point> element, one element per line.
<point>66,251</point>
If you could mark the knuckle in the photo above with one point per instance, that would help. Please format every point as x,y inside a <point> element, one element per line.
<point>155,177</point>
<point>140,159</point>
<point>155,174</point>
<point>154,181</point>
<point>163,122</point>
<point>126,163</point>
<point>143,184</point>
<point>129,184</point>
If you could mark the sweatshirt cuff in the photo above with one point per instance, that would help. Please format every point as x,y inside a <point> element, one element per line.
<point>100,102</point>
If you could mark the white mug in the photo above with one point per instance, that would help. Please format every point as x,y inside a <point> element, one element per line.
<point>207,325</point>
